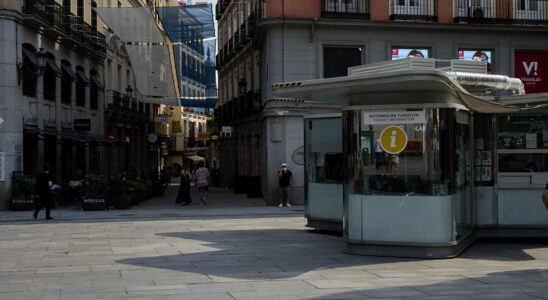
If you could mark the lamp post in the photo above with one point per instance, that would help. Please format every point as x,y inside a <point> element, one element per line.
<point>41,57</point>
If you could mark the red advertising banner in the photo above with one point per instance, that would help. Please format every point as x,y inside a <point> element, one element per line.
<point>532,69</point>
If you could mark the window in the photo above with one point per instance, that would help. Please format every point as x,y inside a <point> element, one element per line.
<point>80,87</point>
<point>66,82</point>
<point>337,60</point>
<point>66,5</point>
<point>95,86</point>
<point>50,80</point>
<point>80,9</point>
<point>29,71</point>
<point>93,15</point>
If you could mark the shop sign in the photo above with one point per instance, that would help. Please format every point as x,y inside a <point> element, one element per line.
<point>393,140</point>
<point>82,124</point>
<point>214,137</point>
<point>30,120</point>
<point>203,136</point>
<point>532,69</point>
<point>176,127</point>
<point>66,125</point>
<point>50,123</point>
<point>2,167</point>
<point>394,117</point>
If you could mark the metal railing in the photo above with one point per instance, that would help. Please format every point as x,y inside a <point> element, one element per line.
<point>42,10</point>
<point>512,12</point>
<point>354,9</point>
<point>414,10</point>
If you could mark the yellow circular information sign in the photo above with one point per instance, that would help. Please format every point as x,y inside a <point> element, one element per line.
<point>393,139</point>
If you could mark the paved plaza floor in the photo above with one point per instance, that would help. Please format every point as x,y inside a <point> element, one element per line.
<point>237,248</point>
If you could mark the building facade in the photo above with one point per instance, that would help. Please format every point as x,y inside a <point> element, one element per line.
<point>52,110</point>
<point>265,42</point>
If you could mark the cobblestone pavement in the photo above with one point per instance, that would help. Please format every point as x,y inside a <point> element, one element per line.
<point>262,253</point>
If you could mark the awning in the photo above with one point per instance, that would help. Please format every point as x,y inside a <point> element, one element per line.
<point>195,158</point>
<point>97,81</point>
<point>30,55</point>
<point>432,88</point>
<point>82,75</point>
<point>69,71</point>
<point>51,63</point>
<point>153,73</point>
<point>148,48</point>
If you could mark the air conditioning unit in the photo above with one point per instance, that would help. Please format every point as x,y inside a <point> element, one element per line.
<point>476,12</point>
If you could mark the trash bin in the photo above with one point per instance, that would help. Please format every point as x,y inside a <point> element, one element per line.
<point>239,184</point>
<point>254,189</point>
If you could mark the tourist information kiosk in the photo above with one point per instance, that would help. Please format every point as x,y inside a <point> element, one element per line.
<point>430,167</point>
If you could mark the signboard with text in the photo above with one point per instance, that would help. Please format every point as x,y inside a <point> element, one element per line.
<point>394,117</point>
<point>532,69</point>
<point>82,124</point>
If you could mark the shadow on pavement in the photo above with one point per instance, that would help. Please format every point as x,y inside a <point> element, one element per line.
<point>521,284</point>
<point>284,253</point>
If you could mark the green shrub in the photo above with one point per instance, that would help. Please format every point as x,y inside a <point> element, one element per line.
<point>23,185</point>
<point>95,187</point>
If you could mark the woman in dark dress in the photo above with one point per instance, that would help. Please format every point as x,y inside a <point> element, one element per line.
<point>184,188</point>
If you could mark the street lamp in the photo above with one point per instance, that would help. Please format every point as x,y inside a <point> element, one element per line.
<point>242,86</point>
<point>41,57</point>
<point>129,91</point>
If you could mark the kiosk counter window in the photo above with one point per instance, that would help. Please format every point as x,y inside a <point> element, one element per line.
<point>522,151</point>
<point>408,175</point>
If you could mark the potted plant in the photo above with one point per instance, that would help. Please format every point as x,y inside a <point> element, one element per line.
<point>95,193</point>
<point>22,192</point>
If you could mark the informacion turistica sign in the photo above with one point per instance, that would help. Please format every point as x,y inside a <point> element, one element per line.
<point>394,117</point>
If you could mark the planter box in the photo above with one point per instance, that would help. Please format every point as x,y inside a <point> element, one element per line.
<point>22,204</point>
<point>94,204</point>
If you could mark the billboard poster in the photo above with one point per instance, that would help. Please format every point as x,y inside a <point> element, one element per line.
<point>532,69</point>
<point>476,55</point>
<point>399,53</point>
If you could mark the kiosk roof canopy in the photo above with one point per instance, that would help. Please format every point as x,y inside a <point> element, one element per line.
<point>402,88</point>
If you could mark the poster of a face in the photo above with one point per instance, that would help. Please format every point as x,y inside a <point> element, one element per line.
<point>399,53</point>
<point>475,55</point>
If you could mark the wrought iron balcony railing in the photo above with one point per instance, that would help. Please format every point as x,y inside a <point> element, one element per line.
<point>347,9</point>
<point>414,10</point>
<point>512,12</point>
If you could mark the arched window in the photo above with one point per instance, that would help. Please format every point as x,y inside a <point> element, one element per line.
<point>95,87</point>
<point>67,78</point>
<point>81,82</point>
<point>29,70</point>
<point>51,72</point>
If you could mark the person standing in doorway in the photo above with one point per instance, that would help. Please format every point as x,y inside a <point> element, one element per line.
<point>284,181</point>
<point>44,183</point>
<point>184,188</point>
<point>202,181</point>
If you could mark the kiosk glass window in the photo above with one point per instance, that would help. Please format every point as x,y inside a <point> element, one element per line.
<point>406,163</point>
<point>522,143</point>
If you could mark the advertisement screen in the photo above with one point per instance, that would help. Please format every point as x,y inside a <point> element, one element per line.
<point>477,55</point>
<point>398,53</point>
<point>532,69</point>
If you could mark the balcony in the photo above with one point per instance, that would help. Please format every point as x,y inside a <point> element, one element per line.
<point>346,9</point>
<point>517,12</point>
<point>414,10</point>
<point>38,14</point>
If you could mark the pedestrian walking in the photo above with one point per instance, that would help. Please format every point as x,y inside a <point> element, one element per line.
<point>184,189</point>
<point>202,181</point>
<point>284,182</point>
<point>44,183</point>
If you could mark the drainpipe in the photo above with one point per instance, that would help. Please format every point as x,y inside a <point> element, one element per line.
<point>499,82</point>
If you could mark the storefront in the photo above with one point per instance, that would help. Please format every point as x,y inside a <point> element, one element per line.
<point>428,166</point>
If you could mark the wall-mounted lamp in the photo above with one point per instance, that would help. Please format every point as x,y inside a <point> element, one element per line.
<point>40,64</point>
<point>242,86</point>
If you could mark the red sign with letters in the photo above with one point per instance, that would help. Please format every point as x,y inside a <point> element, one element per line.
<point>532,69</point>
